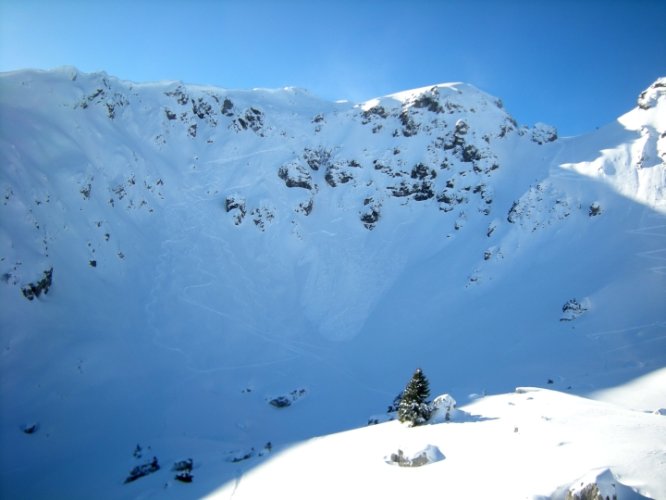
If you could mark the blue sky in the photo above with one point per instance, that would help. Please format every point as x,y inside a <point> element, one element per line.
<point>576,64</point>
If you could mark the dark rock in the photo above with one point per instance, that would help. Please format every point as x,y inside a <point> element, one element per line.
<point>306,208</point>
<point>252,119</point>
<point>32,290</point>
<point>201,108</point>
<point>375,111</point>
<point>409,127</point>
<point>372,213</point>
<point>183,465</point>
<point>143,470</point>
<point>30,428</point>
<point>227,107</point>
<point>429,101</point>
<point>184,477</point>
<point>317,158</point>
<point>235,203</point>
<point>336,174</point>
<point>595,209</point>
<point>280,402</point>
<point>294,175</point>
<point>420,171</point>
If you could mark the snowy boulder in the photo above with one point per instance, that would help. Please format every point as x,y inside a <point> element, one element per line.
<point>429,454</point>
<point>572,309</point>
<point>600,484</point>
<point>443,408</point>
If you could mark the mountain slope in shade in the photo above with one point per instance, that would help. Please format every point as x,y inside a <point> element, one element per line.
<point>215,250</point>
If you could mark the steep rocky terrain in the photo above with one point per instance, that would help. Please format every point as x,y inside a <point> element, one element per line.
<point>178,261</point>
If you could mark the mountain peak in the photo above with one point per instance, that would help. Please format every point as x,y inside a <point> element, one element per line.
<point>217,251</point>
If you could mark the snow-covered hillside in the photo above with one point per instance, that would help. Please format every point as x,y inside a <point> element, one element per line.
<point>201,271</point>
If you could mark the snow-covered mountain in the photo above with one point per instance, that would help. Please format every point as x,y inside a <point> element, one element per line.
<point>202,272</point>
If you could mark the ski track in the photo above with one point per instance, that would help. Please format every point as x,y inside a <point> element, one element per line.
<point>192,209</point>
<point>604,333</point>
<point>246,156</point>
<point>178,232</point>
<point>658,254</point>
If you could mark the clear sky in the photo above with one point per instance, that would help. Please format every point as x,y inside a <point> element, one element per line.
<point>575,64</point>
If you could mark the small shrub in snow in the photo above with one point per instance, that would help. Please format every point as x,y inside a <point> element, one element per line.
<point>414,408</point>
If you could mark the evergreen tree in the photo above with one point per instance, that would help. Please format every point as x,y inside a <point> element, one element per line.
<point>413,407</point>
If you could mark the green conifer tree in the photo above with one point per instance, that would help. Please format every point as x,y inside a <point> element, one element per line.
<point>414,408</point>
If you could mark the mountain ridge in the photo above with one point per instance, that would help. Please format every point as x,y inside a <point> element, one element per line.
<point>214,256</point>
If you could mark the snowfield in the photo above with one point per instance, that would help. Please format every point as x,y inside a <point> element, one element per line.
<point>533,443</point>
<point>213,292</point>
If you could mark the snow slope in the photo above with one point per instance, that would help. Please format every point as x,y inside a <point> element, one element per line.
<point>533,443</point>
<point>213,250</point>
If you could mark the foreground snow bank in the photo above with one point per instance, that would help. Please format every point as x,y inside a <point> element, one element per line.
<point>599,484</point>
<point>533,443</point>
